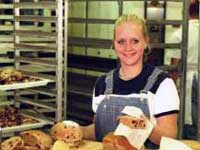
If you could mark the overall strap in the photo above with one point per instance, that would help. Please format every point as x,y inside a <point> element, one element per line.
<point>109,82</point>
<point>152,79</point>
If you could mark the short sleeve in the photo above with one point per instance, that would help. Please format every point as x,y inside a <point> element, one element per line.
<point>166,98</point>
<point>98,92</point>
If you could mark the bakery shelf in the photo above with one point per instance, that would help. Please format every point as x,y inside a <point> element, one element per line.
<point>6,102</point>
<point>35,33</point>
<point>31,5</point>
<point>6,6</point>
<point>31,32</point>
<point>8,17</point>
<point>39,61</point>
<point>41,20</point>
<point>36,18</point>
<point>35,48</point>
<point>43,90</point>
<point>37,69</point>
<point>14,86</point>
<point>39,124</point>
<point>36,103</point>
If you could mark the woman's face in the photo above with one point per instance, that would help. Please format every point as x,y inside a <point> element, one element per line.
<point>130,43</point>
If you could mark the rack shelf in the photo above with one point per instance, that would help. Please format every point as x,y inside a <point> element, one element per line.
<point>36,28</point>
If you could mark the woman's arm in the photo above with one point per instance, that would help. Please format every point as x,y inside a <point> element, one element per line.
<point>166,126</point>
<point>166,110</point>
<point>89,132</point>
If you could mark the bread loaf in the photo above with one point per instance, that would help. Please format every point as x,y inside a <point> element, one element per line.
<point>114,142</point>
<point>11,143</point>
<point>37,139</point>
<point>67,131</point>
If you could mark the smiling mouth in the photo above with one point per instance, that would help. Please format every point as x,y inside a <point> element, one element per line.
<point>130,55</point>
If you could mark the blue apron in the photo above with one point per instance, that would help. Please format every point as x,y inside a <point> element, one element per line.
<point>110,108</point>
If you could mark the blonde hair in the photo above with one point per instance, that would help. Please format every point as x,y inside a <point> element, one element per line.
<point>136,20</point>
<point>132,18</point>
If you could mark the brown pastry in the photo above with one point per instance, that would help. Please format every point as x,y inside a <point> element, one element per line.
<point>67,131</point>
<point>10,116</point>
<point>115,142</point>
<point>10,76</point>
<point>37,139</point>
<point>132,122</point>
<point>11,143</point>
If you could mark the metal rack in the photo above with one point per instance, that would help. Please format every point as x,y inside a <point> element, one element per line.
<point>79,70</point>
<point>39,51</point>
<point>198,92</point>
<point>6,28</point>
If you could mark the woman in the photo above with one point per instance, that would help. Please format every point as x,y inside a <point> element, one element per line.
<point>133,76</point>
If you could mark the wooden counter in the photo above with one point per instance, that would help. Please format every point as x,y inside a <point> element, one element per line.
<point>90,145</point>
<point>195,145</point>
<point>85,145</point>
<point>93,145</point>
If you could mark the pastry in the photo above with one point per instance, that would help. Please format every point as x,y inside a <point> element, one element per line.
<point>132,122</point>
<point>67,131</point>
<point>12,143</point>
<point>115,142</point>
<point>10,76</point>
<point>37,139</point>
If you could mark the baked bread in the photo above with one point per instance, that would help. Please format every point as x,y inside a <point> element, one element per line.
<point>67,131</point>
<point>10,116</point>
<point>60,145</point>
<point>132,122</point>
<point>37,139</point>
<point>11,143</point>
<point>115,142</point>
<point>10,76</point>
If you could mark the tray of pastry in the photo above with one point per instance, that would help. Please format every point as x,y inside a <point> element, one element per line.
<point>12,120</point>
<point>11,79</point>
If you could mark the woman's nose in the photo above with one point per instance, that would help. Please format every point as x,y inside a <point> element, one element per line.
<point>129,46</point>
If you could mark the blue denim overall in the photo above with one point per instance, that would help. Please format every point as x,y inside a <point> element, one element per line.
<point>110,108</point>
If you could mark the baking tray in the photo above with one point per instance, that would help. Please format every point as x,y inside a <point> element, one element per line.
<point>22,85</point>
<point>40,123</point>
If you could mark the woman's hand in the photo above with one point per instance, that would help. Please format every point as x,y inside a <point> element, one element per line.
<point>165,126</point>
<point>89,132</point>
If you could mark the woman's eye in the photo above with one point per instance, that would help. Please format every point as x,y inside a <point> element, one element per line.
<point>121,42</point>
<point>135,41</point>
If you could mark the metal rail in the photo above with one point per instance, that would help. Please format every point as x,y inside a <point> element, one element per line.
<point>198,91</point>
